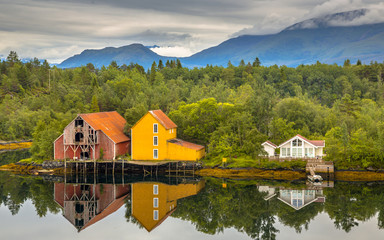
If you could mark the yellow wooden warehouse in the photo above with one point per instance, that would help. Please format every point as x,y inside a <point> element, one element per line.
<point>153,137</point>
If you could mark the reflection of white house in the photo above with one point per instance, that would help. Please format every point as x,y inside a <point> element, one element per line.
<point>269,147</point>
<point>300,198</point>
<point>270,192</point>
<point>299,146</point>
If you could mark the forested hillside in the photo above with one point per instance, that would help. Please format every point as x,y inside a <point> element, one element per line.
<point>230,110</point>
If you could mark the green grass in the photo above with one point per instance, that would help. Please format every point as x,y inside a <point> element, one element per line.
<point>30,160</point>
<point>247,161</point>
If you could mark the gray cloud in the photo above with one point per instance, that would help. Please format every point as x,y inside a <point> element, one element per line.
<point>56,29</point>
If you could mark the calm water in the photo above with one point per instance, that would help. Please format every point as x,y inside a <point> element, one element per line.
<point>165,208</point>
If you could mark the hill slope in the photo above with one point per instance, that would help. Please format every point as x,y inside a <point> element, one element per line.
<point>300,46</point>
<point>134,53</point>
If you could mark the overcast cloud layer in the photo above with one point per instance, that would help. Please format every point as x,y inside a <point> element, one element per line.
<point>56,30</point>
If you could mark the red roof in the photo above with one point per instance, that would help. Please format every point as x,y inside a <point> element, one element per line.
<point>113,207</point>
<point>317,143</point>
<point>163,119</point>
<point>186,144</point>
<point>270,143</point>
<point>111,123</point>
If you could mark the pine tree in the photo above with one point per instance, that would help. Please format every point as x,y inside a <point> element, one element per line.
<point>256,63</point>
<point>95,104</point>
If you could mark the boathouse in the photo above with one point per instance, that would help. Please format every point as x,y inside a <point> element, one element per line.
<point>154,137</point>
<point>93,136</point>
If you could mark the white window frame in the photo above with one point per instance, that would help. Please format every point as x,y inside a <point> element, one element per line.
<point>157,141</point>
<point>157,128</point>
<point>155,214</point>
<point>156,202</point>
<point>156,189</point>
<point>155,156</point>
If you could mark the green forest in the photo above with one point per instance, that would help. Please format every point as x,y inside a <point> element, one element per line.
<point>231,110</point>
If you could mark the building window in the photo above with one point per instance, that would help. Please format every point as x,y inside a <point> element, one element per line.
<point>155,214</point>
<point>283,152</point>
<point>155,130</point>
<point>155,154</point>
<point>155,143</point>
<point>155,202</point>
<point>297,143</point>
<point>155,189</point>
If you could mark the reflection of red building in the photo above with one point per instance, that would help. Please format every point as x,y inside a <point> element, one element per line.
<point>86,204</point>
<point>87,134</point>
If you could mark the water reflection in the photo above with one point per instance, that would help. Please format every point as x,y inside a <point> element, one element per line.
<point>86,204</point>
<point>256,209</point>
<point>150,203</point>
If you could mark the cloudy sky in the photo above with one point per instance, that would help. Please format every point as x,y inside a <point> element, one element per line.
<point>58,29</point>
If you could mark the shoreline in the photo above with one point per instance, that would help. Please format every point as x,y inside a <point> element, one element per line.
<point>229,173</point>
<point>15,145</point>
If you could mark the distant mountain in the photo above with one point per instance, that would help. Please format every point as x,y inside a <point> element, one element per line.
<point>312,40</point>
<point>299,46</point>
<point>330,20</point>
<point>134,53</point>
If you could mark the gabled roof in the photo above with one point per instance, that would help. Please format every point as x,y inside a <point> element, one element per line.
<point>315,143</point>
<point>163,119</point>
<point>269,143</point>
<point>185,144</point>
<point>113,207</point>
<point>111,123</point>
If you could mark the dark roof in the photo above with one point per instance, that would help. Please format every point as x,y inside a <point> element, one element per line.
<point>163,119</point>
<point>111,123</point>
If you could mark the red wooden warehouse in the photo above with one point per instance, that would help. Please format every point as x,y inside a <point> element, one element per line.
<point>90,134</point>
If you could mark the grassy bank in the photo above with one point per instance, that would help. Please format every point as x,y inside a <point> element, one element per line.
<point>252,173</point>
<point>249,162</point>
<point>13,146</point>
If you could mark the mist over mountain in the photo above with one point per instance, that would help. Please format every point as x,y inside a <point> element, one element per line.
<point>317,39</point>
<point>331,20</point>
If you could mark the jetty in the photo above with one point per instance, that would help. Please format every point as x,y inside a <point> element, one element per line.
<point>319,166</point>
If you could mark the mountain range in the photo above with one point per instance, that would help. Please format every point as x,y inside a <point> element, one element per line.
<point>306,42</point>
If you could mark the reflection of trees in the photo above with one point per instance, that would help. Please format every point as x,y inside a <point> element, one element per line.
<point>128,213</point>
<point>300,218</point>
<point>240,207</point>
<point>348,203</point>
<point>243,208</point>
<point>14,191</point>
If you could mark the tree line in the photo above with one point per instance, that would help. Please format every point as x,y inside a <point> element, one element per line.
<point>230,110</point>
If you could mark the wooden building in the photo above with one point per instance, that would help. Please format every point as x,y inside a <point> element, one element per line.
<point>154,137</point>
<point>90,134</point>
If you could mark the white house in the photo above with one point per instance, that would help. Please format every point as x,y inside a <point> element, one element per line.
<point>269,147</point>
<point>299,146</point>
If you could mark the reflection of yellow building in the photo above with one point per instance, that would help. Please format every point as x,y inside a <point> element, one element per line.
<point>153,202</point>
<point>153,137</point>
